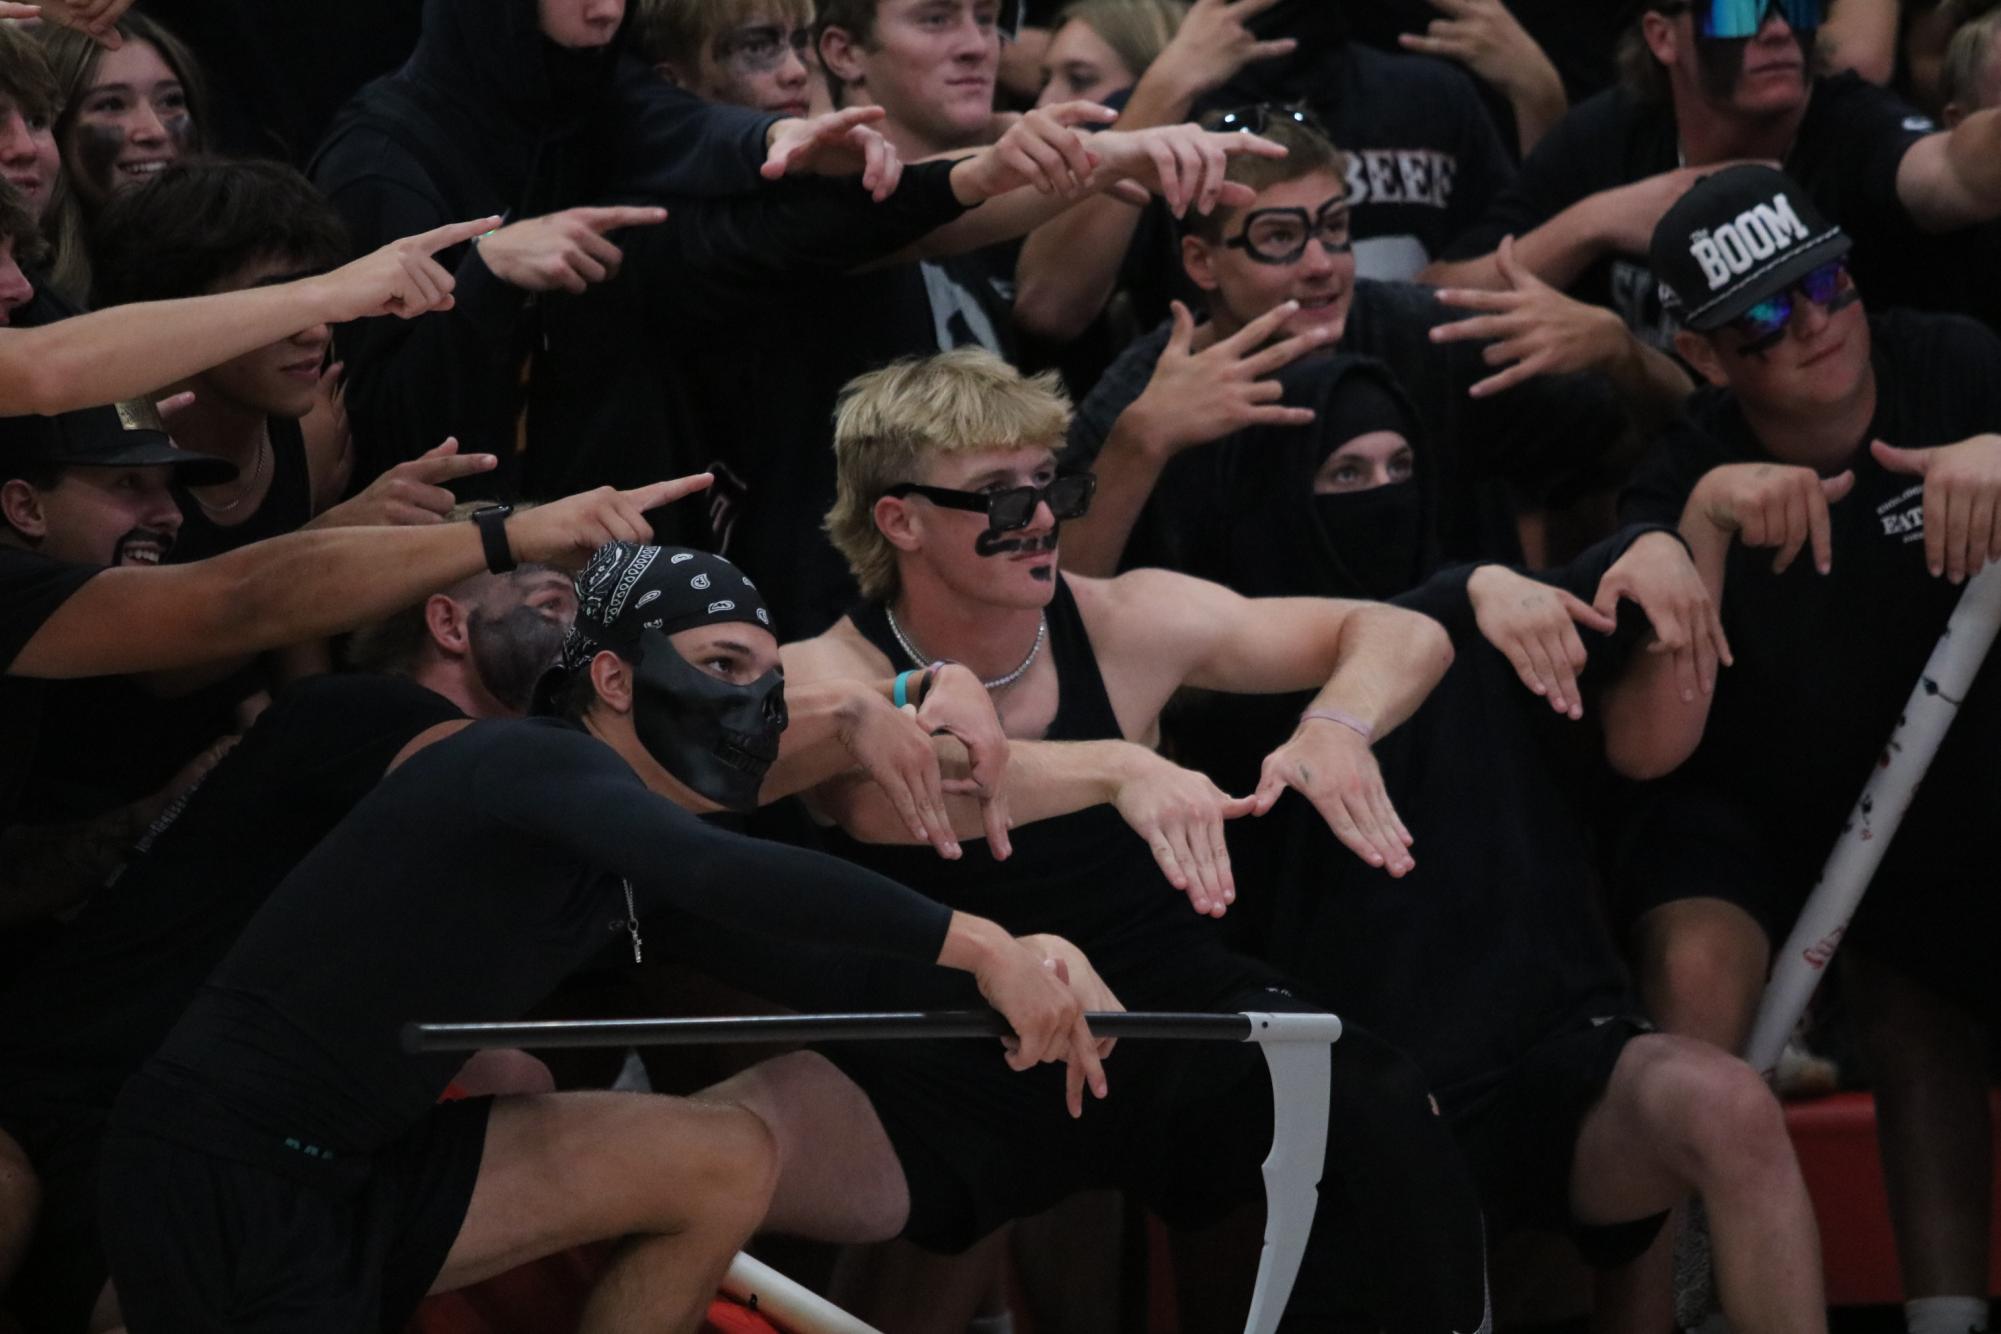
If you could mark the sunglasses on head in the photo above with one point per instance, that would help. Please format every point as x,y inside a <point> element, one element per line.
<point>1069,497</point>
<point>1763,327</point>
<point>1256,119</point>
<point>1734,20</point>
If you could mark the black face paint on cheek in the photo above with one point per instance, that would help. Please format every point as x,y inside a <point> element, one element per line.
<point>511,651</point>
<point>181,129</point>
<point>97,149</point>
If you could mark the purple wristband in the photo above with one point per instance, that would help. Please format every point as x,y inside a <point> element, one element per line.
<point>1347,720</point>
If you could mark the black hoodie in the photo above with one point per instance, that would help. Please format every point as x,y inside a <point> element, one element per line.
<point>1493,941</point>
<point>489,116</point>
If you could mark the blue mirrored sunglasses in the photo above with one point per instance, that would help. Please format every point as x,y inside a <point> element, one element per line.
<point>1764,325</point>
<point>1733,20</point>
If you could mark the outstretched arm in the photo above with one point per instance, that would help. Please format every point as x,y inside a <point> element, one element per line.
<point>574,792</point>
<point>1616,221</point>
<point>136,350</point>
<point>308,585</point>
<point>1953,178</point>
<point>1371,666</point>
<point>1070,264</point>
<point>1178,812</point>
<point>1184,165</point>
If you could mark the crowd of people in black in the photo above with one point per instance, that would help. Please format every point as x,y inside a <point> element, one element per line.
<point>488,487</point>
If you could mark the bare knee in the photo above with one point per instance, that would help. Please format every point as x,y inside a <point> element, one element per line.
<point>732,1187</point>
<point>1723,1123</point>
<point>839,1178</point>
<point>1702,964</point>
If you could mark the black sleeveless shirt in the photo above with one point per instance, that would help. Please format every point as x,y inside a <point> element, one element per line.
<point>287,505</point>
<point>1085,876</point>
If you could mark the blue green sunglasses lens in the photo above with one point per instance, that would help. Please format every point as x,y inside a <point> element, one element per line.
<point>1737,19</point>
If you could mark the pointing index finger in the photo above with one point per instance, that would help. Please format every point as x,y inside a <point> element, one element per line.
<point>1081,113</point>
<point>611,217</point>
<point>444,467</point>
<point>666,493</point>
<point>452,233</point>
<point>1236,144</point>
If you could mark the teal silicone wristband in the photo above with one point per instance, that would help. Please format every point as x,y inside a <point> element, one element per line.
<point>899,696</point>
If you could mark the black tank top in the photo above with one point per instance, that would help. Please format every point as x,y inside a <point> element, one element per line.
<point>288,502</point>
<point>1085,876</point>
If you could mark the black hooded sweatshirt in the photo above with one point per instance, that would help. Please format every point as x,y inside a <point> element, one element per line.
<point>1493,941</point>
<point>490,117</point>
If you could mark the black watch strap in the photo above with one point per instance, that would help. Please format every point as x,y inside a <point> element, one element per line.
<point>492,524</point>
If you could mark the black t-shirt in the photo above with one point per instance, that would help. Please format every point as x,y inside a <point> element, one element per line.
<point>1846,155</point>
<point>78,1021</point>
<point>465,886</point>
<point>1424,158</point>
<point>1546,438</point>
<point>31,588</point>
<point>1825,663</point>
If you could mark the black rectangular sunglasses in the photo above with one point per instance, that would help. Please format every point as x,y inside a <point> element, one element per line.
<point>1069,497</point>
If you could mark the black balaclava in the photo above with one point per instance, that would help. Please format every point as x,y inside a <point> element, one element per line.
<point>1376,544</point>
<point>1377,534</point>
<point>717,738</point>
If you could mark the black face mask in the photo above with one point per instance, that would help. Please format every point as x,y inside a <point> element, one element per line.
<point>719,739</point>
<point>1377,535</point>
<point>512,651</point>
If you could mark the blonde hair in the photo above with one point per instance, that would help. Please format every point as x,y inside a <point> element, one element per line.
<point>1965,57</point>
<point>889,421</point>
<point>682,32</point>
<point>1138,30</point>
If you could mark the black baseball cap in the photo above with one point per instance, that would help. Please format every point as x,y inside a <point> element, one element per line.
<point>1738,236</point>
<point>117,435</point>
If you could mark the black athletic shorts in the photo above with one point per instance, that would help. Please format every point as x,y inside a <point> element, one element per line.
<point>1931,908</point>
<point>1185,1130</point>
<point>1679,840</point>
<point>201,1241</point>
<point>1519,1135</point>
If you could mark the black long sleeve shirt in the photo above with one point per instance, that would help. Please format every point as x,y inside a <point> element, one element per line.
<point>465,887</point>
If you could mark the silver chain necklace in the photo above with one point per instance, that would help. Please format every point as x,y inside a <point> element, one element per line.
<point>632,922</point>
<point>921,660</point>
<point>264,452</point>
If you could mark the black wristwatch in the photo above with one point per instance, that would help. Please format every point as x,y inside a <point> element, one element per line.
<point>492,524</point>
